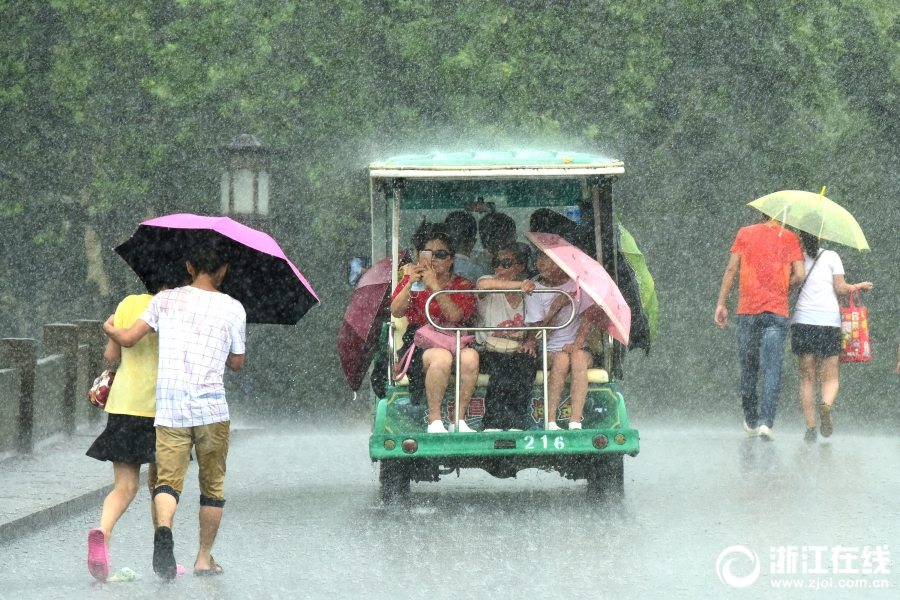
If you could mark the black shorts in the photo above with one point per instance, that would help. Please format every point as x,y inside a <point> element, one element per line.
<point>818,340</point>
<point>126,439</point>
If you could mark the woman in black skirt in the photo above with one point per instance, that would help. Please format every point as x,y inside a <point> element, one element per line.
<point>816,331</point>
<point>129,439</point>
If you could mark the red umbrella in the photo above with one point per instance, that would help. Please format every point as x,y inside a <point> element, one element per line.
<point>591,277</point>
<point>369,308</point>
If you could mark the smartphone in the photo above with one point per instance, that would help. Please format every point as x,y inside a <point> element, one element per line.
<point>424,260</point>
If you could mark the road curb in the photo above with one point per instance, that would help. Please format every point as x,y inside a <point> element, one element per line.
<point>49,516</point>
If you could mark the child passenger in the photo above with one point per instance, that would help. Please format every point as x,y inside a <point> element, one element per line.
<point>565,347</point>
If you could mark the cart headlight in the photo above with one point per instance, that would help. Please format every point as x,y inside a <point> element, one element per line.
<point>620,438</point>
<point>600,442</point>
<point>389,444</point>
<point>410,445</point>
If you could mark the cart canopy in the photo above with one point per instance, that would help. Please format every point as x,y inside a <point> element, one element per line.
<point>520,164</point>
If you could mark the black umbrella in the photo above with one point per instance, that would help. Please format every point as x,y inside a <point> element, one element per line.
<point>259,275</point>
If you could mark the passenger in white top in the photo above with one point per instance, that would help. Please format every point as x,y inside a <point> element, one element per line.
<point>508,397</point>
<point>816,331</point>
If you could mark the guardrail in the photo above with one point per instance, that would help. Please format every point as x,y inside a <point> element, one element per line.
<point>41,396</point>
<point>542,328</point>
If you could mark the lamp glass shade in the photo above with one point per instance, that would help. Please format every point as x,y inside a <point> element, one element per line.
<point>243,191</point>
<point>226,191</point>
<point>262,196</point>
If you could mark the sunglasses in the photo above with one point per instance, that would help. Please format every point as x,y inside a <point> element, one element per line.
<point>505,263</point>
<point>439,254</point>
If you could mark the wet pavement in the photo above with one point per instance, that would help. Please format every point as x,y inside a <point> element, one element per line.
<point>53,482</point>
<point>303,519</point>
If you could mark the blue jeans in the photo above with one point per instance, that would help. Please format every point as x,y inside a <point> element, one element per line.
<point>769,331</point>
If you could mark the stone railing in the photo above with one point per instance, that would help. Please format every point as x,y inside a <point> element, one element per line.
<point>43,391</point>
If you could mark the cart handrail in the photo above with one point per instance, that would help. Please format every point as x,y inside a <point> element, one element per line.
<point>525,328</point>
<point>459,330</point>
<point>393,348</point>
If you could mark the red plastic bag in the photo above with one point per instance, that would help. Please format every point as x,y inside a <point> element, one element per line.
<point>855,345</point>
<point>99,392</point>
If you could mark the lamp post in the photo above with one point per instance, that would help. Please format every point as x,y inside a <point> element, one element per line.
<point>245,181</point>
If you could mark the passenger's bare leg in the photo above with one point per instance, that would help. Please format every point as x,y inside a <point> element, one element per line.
<point>807,363</point>
<point>437,364</point>
<point>558,364</point>
<point>828,373</point>
<point>210,517</point>
<point>468,378</point>
<point>581,361</point>
<point>127,480</point>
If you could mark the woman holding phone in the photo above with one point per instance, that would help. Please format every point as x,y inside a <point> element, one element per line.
<point>430,369</point>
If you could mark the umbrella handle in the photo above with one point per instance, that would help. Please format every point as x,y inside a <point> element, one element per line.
<point>822,226</point>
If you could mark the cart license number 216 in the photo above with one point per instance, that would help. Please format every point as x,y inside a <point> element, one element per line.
<point>545,442</point>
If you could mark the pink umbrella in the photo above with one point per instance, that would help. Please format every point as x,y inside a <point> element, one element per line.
<point>270,287</point>
<point>591,277</point>
<point>369,308</point>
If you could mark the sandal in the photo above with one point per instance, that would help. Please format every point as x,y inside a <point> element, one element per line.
<point>214,569</point>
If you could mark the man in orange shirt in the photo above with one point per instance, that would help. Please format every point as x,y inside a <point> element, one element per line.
<point>770,261</point>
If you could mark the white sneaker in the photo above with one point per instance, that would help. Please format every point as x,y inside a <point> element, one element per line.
<point>751,430</point>
<point>574,425</point>
<point>552,426</point>
<point>437,427</point>
<point>766,434</point>
<point>464,427</point>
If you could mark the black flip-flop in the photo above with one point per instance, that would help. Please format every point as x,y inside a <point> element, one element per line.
<point>214,569</point>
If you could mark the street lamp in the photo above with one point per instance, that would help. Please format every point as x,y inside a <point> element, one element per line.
<point>245,182</point>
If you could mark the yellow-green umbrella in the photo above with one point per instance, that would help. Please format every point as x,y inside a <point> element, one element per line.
<point>815,214</point>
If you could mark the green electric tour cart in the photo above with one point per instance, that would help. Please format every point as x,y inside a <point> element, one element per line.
<point>577,187</point>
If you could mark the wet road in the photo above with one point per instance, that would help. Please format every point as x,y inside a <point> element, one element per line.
<point>303,519</point>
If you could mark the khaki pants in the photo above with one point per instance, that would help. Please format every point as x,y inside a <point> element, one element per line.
<point>173,452</point>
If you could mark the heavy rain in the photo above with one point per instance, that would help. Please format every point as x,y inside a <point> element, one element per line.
<point>116,112</point>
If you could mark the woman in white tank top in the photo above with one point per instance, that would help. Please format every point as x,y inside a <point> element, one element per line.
<point>816,331</point>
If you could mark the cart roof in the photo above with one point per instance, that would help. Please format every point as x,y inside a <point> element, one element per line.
<point>519,164</point>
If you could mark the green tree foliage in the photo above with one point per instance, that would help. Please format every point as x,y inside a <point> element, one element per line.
<point>113,110</point>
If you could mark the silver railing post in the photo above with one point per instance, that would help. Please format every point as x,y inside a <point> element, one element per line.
<point>456,403</point>
<point>392,351</point>
<point>546,377</point>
